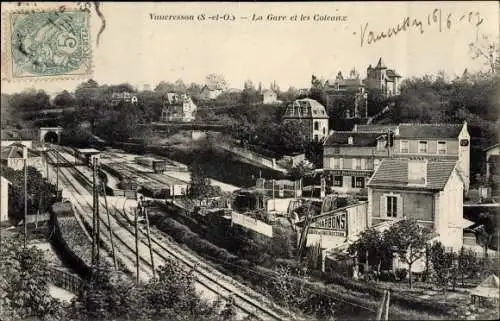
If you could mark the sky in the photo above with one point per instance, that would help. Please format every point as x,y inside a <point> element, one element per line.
<point>138,50</point>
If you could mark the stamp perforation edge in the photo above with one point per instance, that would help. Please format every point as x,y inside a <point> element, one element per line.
<point>6,43</point>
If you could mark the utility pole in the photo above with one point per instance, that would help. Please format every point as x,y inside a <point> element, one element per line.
<point>25,199</point>
<point>93,215</point>
<point>47,164</point>
<point>136,246</point>
<point>149,242</point>
<point>274,199</point>
<point>98,218</point>
<point>109,224</point>
<point>57,172</point>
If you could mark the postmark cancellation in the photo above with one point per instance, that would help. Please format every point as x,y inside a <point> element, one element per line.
<point>46,44</point>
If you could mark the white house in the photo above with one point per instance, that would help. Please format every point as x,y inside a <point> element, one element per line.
<point>210,92</point>
<point>4,200</point>
<point>269,97</point>
<point>178,108</point>
<point>430,192</point>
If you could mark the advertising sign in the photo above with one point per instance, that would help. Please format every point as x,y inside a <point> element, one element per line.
<point>252,224</point>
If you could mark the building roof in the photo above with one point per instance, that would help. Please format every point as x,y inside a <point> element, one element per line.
<point>16,151</point>
<point>3,179</point>
<point>429,130</point>
<point>88,151</point>
<point>491,147</point>
<point>487,288</point>
<point>375,128</point>
<point>394,173</point>
<point>392,74</point>
<point>268,91</point>
<point>212,87</point>
<point>305,108</point>
<point>380,64</point>
<point>364,139</point>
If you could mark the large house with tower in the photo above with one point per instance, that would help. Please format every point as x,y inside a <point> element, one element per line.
<point>382,79</point>
<point>350,90</point>
<point>312,114</point>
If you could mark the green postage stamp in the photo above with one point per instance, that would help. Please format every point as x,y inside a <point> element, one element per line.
<point>47,45</point>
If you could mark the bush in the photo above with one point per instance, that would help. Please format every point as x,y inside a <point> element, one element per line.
<point>388,276</point>
<point>401,274</point>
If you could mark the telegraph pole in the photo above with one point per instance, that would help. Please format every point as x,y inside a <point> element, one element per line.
<point>98,219</point>
<point>274,199</point>
<point>93,215</point>
<point>136,246</point>
<point>109,224</point>
<point>25,199</point>
<point>57,171</point>
<point>149,242</point>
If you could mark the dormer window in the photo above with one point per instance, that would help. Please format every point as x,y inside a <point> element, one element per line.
<point>381,143</point>
<point>417,172</point>
<point>350,140</point>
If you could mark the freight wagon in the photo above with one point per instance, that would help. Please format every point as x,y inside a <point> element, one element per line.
<point>158,165</point>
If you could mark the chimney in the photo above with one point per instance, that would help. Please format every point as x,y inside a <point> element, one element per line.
<point>417,171</point>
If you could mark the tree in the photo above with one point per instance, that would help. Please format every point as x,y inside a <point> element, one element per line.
<point>487,50</point>
<point>88,94</point>
<point>442,264</point>
<point>371,247</point>
<point>216,81</point>
<point>38,191</point>
<point>200,183</point>
<point>24,283</point>
<point>64,99</point>
<point>30,100</point>
<point>293,136</point>
<point>408,240</point>
<point>300,170</point>
<point>466,262</point>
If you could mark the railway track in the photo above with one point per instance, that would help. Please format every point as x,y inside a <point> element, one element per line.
<point>206,276</point>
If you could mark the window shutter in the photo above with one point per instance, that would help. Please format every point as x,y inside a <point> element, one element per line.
<point>353,181</point>
<point>400,206</point>
<point>383,201</point>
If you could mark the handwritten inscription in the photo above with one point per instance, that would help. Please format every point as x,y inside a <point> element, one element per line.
<point>436,19</point>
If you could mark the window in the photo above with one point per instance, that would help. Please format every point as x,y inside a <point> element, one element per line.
<point>350,140</point>
<point>376,162</point>
<point>316,138</point>
<point>441,148</point>
<point>404,146</point>
<point>324,131</point>
<point>316,125</point>
<point>381,143</point>
<point>392,206</point>
<point>356,163</point>
<point>359,182</point>
<point>422,147</point>
<point>336,163</point>
<point>337,180</point>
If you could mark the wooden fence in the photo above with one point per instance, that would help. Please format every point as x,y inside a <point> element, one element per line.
<point>65,280</point>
